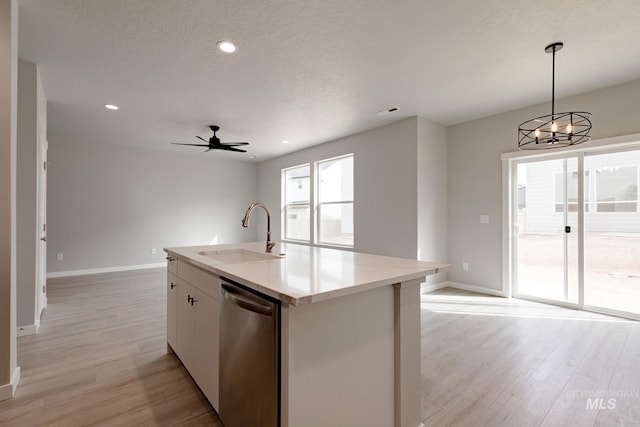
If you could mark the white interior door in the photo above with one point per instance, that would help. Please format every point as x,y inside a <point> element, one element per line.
<point>41,284</point>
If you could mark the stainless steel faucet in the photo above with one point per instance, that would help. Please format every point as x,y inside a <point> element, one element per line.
<point>247,215</point>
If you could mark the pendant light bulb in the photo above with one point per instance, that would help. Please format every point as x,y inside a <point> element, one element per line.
<point>554,127</point>
<point>569,128</point>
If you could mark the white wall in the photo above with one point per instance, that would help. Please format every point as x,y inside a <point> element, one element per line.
<point>9,371</point>
<point>31,120</point>
<point>474,174</point>
<point>432,195</point>
<point>109,204</point>
<point>385,186</point>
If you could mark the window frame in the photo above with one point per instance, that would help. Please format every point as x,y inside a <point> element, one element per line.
<point>315,206</point>
<point>286,206</point>
<point>319,205</point>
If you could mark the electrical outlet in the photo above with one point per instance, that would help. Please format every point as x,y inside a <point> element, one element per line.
<point>465,266</point>
<point>153,251</point>
<point>59,257</point>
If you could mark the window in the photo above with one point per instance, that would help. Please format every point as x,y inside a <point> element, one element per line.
<point>617,189</point>
<point>297,207</point>
<point>335,201</point>
<point>572,190</point>
<point>330,184</point>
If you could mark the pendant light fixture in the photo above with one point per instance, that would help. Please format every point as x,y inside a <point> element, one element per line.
<point>555,130</point>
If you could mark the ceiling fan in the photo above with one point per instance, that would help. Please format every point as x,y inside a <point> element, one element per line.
<point>215,144</point>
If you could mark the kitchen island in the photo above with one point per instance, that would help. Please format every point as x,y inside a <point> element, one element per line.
<point>349,328</point>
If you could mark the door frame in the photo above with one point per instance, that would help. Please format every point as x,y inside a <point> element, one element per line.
<point>579,160</point>
<point>41,221</point>
<point>510,161</point>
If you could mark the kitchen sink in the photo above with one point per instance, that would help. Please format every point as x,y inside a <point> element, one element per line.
<point>234,256</point>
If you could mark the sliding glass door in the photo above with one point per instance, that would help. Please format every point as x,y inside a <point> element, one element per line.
<point>546,230</point>
<point>554,259</point>
<point>612,233</point>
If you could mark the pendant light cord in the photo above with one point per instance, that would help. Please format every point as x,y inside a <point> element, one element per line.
<point>553,85</point>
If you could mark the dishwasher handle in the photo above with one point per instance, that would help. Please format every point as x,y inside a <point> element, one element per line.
<point>233,296</point>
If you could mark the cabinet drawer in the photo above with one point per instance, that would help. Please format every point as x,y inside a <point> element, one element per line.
<point>203,280</point>
<point>172,264</point>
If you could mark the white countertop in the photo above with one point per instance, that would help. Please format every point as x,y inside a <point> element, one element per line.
<point>307,274</point>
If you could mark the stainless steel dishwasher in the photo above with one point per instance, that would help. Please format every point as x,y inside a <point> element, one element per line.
<point>249,358</point>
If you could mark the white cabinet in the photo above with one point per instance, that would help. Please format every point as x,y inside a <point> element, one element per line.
<point>206,345</point>
<point>172,264</point>
<point>172,301</point>
<point>185,332</point>
<point>196,316</point>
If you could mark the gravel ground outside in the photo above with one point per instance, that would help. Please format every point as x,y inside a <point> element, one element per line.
<point>612,269</point>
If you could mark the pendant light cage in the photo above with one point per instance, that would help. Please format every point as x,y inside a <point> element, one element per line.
<point>555,130</point>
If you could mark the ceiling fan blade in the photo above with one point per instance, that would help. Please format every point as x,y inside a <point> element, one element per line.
<point>194,145</point>
<point>229,148</point>
<point>214,143</point>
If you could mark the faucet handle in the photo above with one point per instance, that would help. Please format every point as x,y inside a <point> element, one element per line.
<point>270,246</point>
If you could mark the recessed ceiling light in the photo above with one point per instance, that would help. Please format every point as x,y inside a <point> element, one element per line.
<point>285,142</point>
<point>226,46</point>
<point>111,107</point>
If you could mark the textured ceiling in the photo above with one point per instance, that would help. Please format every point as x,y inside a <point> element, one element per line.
<point>311,71</point>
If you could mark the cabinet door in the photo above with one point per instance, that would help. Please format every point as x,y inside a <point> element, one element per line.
<point>172,301</point>
<point>172,264</point>
<point>207,345</point>
<point>185,332</point>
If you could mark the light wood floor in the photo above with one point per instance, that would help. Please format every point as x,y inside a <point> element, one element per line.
<point>100,360</point>
<point>489,361</point>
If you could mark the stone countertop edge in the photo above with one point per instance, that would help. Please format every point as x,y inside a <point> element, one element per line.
<point>418,269</point>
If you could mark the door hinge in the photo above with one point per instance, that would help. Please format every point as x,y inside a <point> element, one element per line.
<point>44,228</point>
<point>44,289</point>
<point>44,165</point>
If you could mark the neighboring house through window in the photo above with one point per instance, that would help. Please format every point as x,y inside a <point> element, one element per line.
<point>572,192</point>
<point>617,189</point>
<point>297,206</point>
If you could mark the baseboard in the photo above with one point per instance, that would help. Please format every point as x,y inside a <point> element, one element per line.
<point>474,288</point>
<point>71,273</point>
<point>28,329</point>
<point>433,287</point>
<point>7,391</point>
